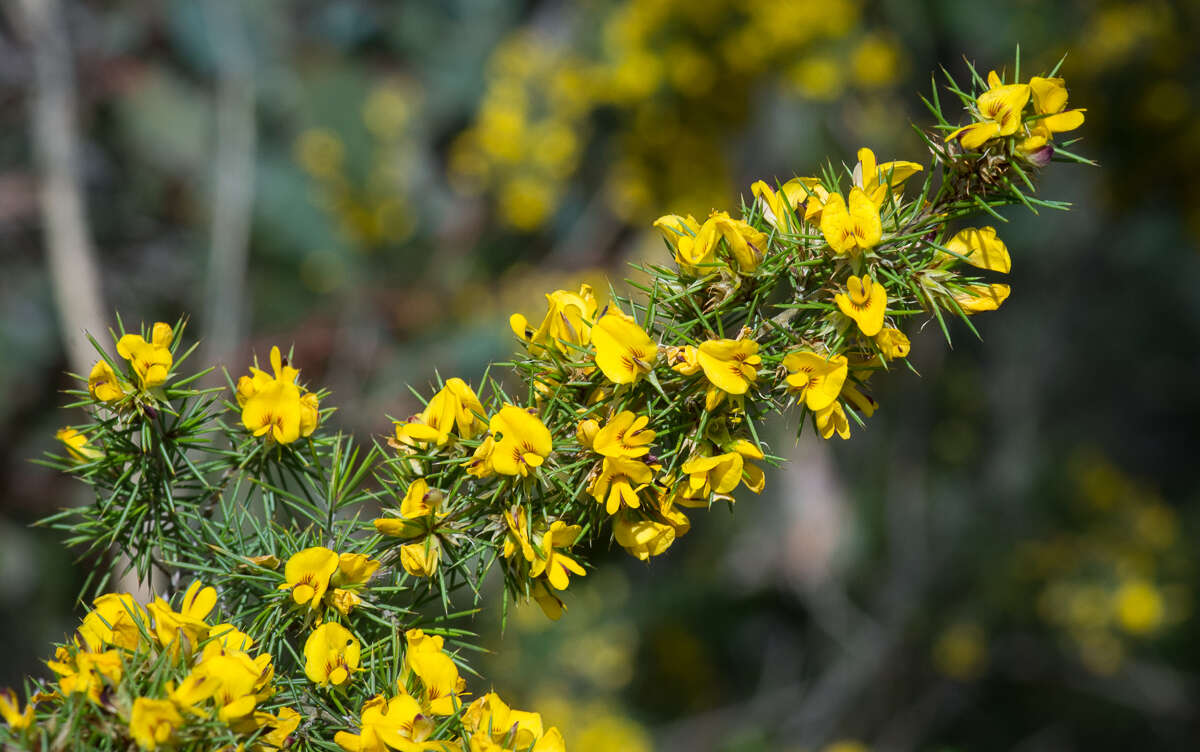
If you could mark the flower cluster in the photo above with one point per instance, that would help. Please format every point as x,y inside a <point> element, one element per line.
<point>633,411</point>
<point>161,677</point>
<point>149,366</point>
<point>274,405</point>
<point>1003,112</point>
<point>309,574</point>
<point>429,688</point>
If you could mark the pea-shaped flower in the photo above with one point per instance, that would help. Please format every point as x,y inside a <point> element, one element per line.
<point>865,301</point>
<point>851,227</point>
<point>999,112</point>
<point>522,441</point>
<point>151,360</point>
<point>307,575</point>
<point>153,722</point>
<point>624,352</point>
<point>816,381</point>
<point>331,654</point>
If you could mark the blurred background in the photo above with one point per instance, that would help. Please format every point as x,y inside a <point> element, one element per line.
<point>1003,559</point>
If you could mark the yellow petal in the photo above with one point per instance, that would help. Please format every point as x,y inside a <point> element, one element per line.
<point>977,134</point>
<point>1063,121</point>
<point>1049,95</point>
<point>979,298</point>
<point>980,247</point>
<point>868,227</point>
<point>162,334</point>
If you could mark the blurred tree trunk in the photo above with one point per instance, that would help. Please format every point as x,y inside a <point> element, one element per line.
<point>69,251</point>
<point>233,181</point>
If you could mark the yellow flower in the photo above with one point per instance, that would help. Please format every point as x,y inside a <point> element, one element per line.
<point>421,559</point>
<point>354,570</point>
<point>307,575</point>
<point>352,573</point>
<point>619,481</point>
<point>151,360</point>
<point>586,431</point>
<point>522,441</point>
<point>344,601</point>
<point>981,297</point>
<point>439,677</point>
<point>865,301</point>
<point>729,364</point>
<point>455,406</point>
<point>418,511</point>
<point>833,419</point>
<point>77,445</point>
<point>779,208</point>
<point>277,407</point>
<point>153,722</point>
<point>643,537</point>
<point>491,718</point>
<point>861,401</point>
<point>624,352</point>
<point>1049,101</point>
<point>980,247</point>
<point>331,654</point>
<point>1000,112</point>
<point>892,343</point>
<point>551,605</point>
<point>480,464</point>
<point>624,435</point>
<point>16,719</point>
<point>746,244</point>
<point>567,322</point>
<point>274,412</point>
<point>226,638</point>
<point>555,565</point>
<point>877,180</point>
<point>117,620</point>
<point>85,672</point>
<point>517,537</point>
<point>853,227</point>
<point>103,383</point>
<point>719,474</point>
<point>188,623</point>
<point>281,726</point>
<point>234,682</point>
<point>683,359</point>
<point>816,381</point>
<point>392,724</point>
<point>695,245</point>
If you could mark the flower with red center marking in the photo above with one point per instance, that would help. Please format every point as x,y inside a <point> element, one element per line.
<point>619,481</point>
<point>625,435</point>
<point>522,441</point>
<point>865,301</point>
<point>554,564</point>
<point>730,366</point>
<point>307,575</point>
<point>815,380</point>
<point>1000,112</point>
<point>331,654</point>
<point>853,227</point>
<point>624,352</point>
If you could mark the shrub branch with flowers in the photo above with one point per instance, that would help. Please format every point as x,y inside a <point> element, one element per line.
<point>298,621</point>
